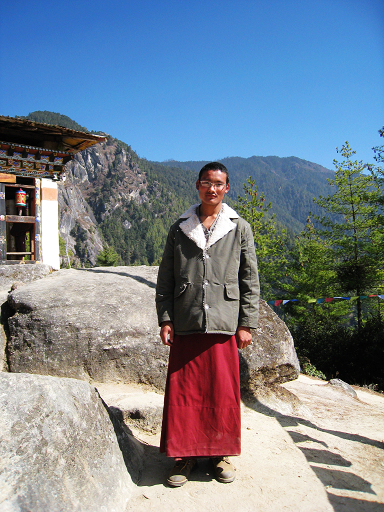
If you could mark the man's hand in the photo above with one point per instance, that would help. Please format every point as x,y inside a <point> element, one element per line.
<point>167,333</point>
<point>243,337</point>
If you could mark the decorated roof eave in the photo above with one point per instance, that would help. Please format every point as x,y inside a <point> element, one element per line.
<point>23,131</point>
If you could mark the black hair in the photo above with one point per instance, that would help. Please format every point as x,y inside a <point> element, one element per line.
<point>214,166</point>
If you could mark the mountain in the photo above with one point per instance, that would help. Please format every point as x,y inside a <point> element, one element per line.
<point>111,196</point>
<point>289,183</point>
<point>44,116</point>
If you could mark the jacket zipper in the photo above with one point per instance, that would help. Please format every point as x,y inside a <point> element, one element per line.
<point>204,290</point>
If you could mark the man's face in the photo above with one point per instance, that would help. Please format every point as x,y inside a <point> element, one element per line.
<point>212,195</point>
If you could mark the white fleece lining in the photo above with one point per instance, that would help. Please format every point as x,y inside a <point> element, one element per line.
<point>193,229</point>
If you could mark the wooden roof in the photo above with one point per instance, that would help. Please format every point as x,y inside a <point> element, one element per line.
<point>48,136</point>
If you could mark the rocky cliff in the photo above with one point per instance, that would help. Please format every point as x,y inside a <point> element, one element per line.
<point>98,180</point>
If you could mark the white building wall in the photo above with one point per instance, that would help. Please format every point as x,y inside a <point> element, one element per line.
<point>50,223</point>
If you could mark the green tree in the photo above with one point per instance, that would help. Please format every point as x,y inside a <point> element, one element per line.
<point>377,173</point>
<point>108,257</point>
<point>379,150</point>
<point>314,327</point>
<point>308,269</point>
<point>270,242</point>
<point>54,118</point>
<point>340,255</point>
<point>64,252</point>
<point>349,229</point>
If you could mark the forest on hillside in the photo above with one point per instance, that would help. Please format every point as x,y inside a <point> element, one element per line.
<point>171,190</point>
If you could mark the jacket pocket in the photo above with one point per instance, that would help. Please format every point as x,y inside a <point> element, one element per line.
<point>180,288</point>
<point>232,291</point>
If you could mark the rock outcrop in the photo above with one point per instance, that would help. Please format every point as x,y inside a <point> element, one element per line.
<point>272,357</point>
<point>12,277</point>
<point>343,386</point>
<point>77,223</point>
<point>60,449</point>
<point>100,324</point>
<point>87,197</point>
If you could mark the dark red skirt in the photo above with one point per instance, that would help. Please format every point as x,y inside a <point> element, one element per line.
<point>201,416</point>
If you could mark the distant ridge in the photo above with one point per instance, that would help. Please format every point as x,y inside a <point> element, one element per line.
<point>43,116</point>
<point>290,183</point>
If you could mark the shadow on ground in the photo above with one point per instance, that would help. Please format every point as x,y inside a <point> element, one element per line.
<point>335,477</point>
<point>139,279</point>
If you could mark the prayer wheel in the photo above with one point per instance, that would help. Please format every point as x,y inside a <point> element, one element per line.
<point>21,198</point>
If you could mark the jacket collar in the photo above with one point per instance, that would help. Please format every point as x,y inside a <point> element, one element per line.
<point>192,227</point>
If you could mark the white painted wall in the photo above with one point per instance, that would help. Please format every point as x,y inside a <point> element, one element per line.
<point>50,223</point>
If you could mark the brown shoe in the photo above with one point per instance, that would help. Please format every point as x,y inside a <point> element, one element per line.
<point>224,469</point>
<point>180,472</point>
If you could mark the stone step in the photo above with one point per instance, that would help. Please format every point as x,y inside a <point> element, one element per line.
<point>136,405</point>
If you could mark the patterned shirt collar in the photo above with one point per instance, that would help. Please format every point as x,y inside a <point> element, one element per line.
<point>208,232</point>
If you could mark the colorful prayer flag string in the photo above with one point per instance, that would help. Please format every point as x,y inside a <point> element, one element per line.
<point>283,302</point>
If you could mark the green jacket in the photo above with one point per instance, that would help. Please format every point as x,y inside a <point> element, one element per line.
<point>213,289</point>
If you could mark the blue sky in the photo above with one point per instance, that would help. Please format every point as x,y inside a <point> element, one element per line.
<point>202,80</point>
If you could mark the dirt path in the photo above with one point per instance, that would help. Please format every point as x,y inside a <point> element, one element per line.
<point>333,461</point>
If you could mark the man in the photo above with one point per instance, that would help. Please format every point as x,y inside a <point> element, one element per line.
<point>207,299</point>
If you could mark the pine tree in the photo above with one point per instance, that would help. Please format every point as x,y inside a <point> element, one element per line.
<point>349,229</point>
<point>270,242</point>
<point>108,257</point>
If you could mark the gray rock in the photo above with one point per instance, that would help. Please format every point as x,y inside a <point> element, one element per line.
<point>272,357</point>
<point>343,386</point>
<point>142,409</point>
<point>75,211</point>
<point>3,341</point>
<point>20,274</point>
<point>275,400</point>
<point>11,278</point>
<point>95,324</point>
<point>101,324</point>
<point>59,449</point>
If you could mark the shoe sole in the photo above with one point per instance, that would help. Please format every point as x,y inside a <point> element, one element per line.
<point>221,479</point>
<point>177,484</point>
<point>226,480</point>
<point>171,483</point>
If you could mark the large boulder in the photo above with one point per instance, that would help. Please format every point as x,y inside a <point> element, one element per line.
<point>60,449</point>
<point>96,324</point>
<point>11,277</point>
<point>101,324</point>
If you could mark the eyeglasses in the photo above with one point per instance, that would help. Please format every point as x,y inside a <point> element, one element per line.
<point>209,184</point>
